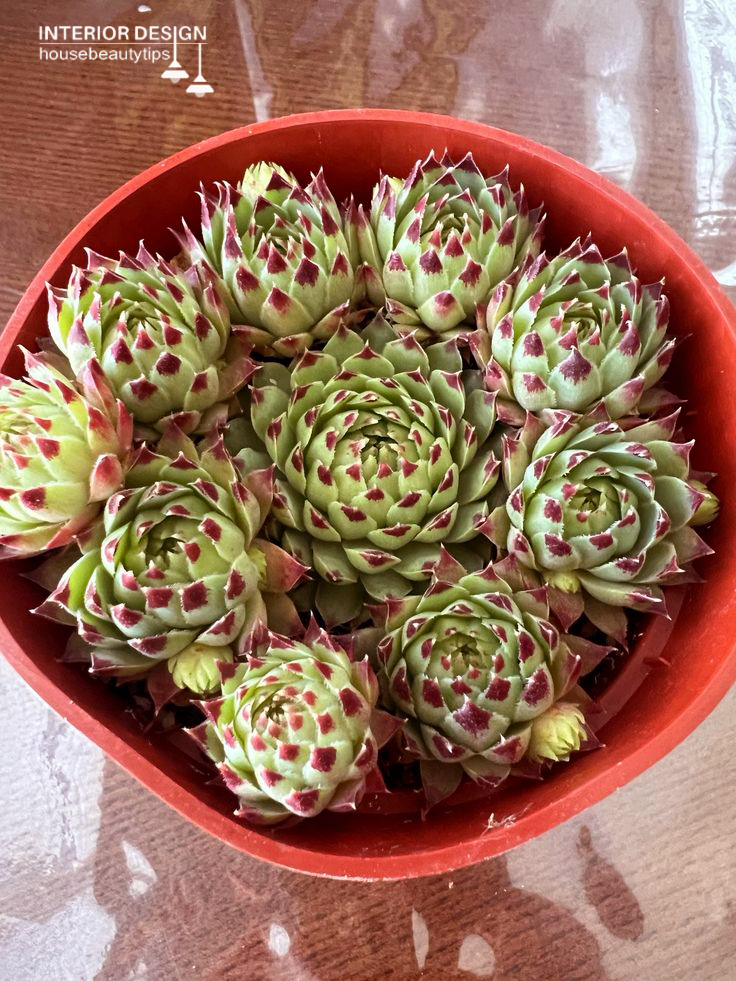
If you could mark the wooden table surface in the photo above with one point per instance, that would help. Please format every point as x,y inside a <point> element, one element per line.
<point>100,880</point>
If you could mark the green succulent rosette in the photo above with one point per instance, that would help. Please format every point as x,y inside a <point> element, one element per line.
<point>383,451</point>
<point>568,332</point>
<point>177,575</point>
<point>436,244</point>
<point>470,665</point>
<point>297,730</point>
<point>161,335</point>
<point>604,510</point>
<point>557,733</point>
<point>64,446</point>
<point>282,256</point>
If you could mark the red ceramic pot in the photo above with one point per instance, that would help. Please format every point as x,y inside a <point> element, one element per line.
<point>387,841</point>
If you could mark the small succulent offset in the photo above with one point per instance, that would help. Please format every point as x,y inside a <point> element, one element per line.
<point>383,452</point>
<point>161,336</point>
<point>281,255</point>
<point>471,664</point>
<point>400,413</point>
<point>604,510</point>
<point>435,244</point>
<point>567,332</point>
<point>63,450</point>
<point>178,575</point>
<point>297,728</point>
<point>557,733</point>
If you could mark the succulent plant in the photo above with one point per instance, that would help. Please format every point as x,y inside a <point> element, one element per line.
<point>63,450</point>
<point>162,337</point>
<point>557,733</point>
<point>296,729</point>
<point>489,471</point>
<point>603,510</point>
<point>178,574</point>
<point>470,665</point>
<point>281,254</point>
<point>383,452</point>
<point>566,332</point>
<point>436,244</point>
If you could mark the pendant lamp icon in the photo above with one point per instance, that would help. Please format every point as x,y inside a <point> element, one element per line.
<point>200,86</point>
<point>174,71</point>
